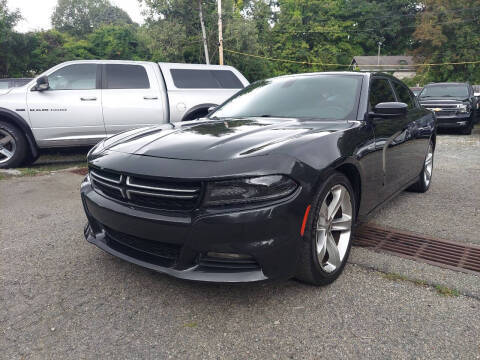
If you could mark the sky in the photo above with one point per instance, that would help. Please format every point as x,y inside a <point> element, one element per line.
<point>37,13</point>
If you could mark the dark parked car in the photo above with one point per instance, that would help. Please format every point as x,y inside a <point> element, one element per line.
<point>454,104</point>
<point>269,186</point>
<point>8,83</point>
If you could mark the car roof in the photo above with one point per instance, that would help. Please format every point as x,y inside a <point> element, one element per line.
<point>447,83</point>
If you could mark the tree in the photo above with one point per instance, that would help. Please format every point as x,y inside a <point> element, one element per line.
<point>448,31</point>
<point>116,42</point>
<point>81,17</point>
<point>8,40</point>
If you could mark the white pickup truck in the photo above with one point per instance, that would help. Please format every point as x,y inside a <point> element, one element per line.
<point>77,103</point>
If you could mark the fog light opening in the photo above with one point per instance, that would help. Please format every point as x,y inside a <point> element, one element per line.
<point>232,256</point>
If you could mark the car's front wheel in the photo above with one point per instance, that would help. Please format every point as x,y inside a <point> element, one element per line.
<point>328,235</point>
<point>13,146</point>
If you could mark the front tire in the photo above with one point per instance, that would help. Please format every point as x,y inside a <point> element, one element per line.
<point>13,146</point>
<point>467,129</point>
<point>328,236</point>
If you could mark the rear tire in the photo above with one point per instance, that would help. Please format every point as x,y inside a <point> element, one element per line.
<point>425,178</point>
<point>328,234</point>
<point>13,146</point>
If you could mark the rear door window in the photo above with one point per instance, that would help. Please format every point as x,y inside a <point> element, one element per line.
<point>120,76</point>
<point>205,79</point>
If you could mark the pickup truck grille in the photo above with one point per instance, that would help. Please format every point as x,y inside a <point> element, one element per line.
<point>442,109</point>
<point>146,192</point>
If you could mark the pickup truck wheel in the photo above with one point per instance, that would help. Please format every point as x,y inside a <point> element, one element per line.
<point>13,146</point>
<point>467,129</point>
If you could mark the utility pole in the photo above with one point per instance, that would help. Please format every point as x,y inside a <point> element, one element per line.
<point>204,35</point>
<point>220,34</point>
<point>378,56</point>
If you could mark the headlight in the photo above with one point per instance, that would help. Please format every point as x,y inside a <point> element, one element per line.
<point>463,108</point>
<point>255,189</point>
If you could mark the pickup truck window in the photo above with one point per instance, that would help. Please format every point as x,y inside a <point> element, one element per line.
<point>74,77</point>
<point>4,85</point>
<point>445,90</point>
<point>126,77</point>
<point>205,79</point>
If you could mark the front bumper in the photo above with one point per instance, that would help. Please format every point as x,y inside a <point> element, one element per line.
<point>453,121</point>
<point>177,243</point>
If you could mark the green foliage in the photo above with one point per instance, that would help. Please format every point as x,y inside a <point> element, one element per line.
<point>81,17</point>
<point>311,31</point>
<point>446,34</point>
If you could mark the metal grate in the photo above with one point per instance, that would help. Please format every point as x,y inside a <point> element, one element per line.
<point>437,252</point>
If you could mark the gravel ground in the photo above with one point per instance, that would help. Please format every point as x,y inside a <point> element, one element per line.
<point>62,298</point>
<point>451,208</point>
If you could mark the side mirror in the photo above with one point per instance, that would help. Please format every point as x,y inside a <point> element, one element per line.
<point>42,83</point>
<point>390,109</point>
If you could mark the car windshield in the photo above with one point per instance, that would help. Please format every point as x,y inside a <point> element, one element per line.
<point>445,90</point>
<point>323,96</point>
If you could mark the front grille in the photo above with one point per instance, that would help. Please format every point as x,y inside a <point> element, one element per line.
<point>150,251</point>
<point>152,193</point>
<point>224,264</point>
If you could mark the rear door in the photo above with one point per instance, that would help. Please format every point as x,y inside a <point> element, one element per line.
<point>131,97</point>
<point>70,111</point>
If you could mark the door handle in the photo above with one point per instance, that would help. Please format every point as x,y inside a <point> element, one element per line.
<point>150,97</point>
<point>93,98</point>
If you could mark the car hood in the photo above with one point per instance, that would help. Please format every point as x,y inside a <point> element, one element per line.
<point>218,140</point>
<point>5,91</point>
<point>442,100</point>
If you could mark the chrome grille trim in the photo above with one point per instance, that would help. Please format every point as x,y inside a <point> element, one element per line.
<point>108,185</point>
<point>98,176</point>
<point>160,195</point>
<point>155,188</point>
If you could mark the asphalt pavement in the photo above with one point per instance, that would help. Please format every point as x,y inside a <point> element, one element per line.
<point>64,298</point>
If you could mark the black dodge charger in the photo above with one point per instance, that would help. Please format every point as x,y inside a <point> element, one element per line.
<point>268,186</point>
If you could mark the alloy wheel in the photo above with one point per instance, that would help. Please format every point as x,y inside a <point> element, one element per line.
<point>427,169</point>
<point>8,146</point>
<point>334,228</point>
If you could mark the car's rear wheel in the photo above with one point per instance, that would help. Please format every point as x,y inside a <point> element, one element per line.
<point>425,178</point>
<point>13,146</point>
<point>328,236</point>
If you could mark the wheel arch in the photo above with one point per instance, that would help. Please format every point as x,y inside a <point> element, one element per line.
<point>16,120</point>
<point>353,175</point>
<point>195,109</point>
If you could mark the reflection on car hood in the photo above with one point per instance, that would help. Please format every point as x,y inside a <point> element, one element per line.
<point>217,140</point>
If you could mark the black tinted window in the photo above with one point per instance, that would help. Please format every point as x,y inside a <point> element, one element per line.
<point>205,79</point>
<point>126,77</point>
<point>333,97</point>
<point>403,94</point>
<point>380,91</point>
<point>445,90</point>
<point>74,77</point>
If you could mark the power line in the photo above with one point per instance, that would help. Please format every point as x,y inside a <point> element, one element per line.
<point>345,65</point>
